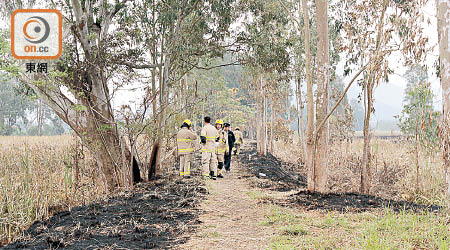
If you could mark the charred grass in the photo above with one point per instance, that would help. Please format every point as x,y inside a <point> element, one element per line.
<point>151,216</point>
<point>52,196</point>
<point>270,172</point>
<point>395,217</point>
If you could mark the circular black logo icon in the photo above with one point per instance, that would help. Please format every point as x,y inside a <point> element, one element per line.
<point>38,35</point>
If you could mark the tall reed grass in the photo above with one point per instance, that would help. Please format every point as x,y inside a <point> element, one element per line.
<point>37,179</point>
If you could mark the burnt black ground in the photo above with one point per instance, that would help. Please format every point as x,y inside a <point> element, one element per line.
<point>283,177</point>
<point>152,216</point>
<point>352,202</point>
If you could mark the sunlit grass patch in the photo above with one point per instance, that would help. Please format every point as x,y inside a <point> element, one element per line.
<point>406,231</point>
<point>259,195</point>
<point>377,230</point>
<point>214,234</point>
<point>293,230</point>
<point>277,216</point>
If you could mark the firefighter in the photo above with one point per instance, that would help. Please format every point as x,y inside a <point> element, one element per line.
<point>231,139</point>
<point>239,140</point>
<point>222,147</point>
<point>208,137</point>
<point>185,143</point>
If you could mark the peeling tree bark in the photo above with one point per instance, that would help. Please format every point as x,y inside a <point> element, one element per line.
<point>300,124</point>
<point>272,124</point>
<point>265,143</point>
<point>443,26</point>
<point>320,161</point>
<point>366,175</point>
<point>310,101</point>
<point>260,117</point>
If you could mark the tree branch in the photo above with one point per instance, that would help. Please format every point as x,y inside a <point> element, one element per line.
<point>140,66</point>
<point>340,99</point>
<point>218,66</point>
<point>212,67</point>
<point>289,13</point>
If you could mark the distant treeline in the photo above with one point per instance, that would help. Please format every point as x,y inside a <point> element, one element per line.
<point>21,113</point>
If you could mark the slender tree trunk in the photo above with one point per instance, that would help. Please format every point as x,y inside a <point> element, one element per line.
<point>272,127</point>
<point>40,117</point>
<point>366,175</point>
<point>443,16</point>
<point>261,133</point>
<point>365,172</point>
<point>297,107</point>
<point>259,118</point>
<point>301,125</point>
<point>310,101</point>
<point>288,109</point>
<point>154,70</point>
<point>321,148</point>
<point>265,122</point>
<point>417,159</point>
<point>162,105</point>
<point>76,165</point>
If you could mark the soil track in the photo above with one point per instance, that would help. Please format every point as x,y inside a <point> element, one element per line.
<point>231,218</point>
<point>152,216</point>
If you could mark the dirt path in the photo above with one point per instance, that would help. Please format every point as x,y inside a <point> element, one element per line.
<point>231,218</point>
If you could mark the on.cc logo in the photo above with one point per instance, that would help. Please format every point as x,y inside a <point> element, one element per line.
<point>36,34</point>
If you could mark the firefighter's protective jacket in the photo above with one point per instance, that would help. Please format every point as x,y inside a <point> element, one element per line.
<point>239,137</point>
<point>185,141</point>
<point>210,133</point>
<point>222,148</point>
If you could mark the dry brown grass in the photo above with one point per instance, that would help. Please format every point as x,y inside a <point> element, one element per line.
<point>393,169</point>
<point>37,180</point>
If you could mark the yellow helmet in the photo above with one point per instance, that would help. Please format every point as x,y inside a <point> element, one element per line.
<point>219,122</point>
<point>188,122</point>
<point>237,128</point>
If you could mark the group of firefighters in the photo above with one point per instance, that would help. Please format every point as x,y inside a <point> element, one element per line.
<point>217,145</point>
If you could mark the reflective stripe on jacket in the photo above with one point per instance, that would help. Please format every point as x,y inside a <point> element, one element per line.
<point>210,133</point>
<point>185,141</point>
<point>223,142</point>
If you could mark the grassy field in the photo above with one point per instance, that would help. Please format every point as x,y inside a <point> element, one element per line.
<point>37,179</point>
<point>377,230</point>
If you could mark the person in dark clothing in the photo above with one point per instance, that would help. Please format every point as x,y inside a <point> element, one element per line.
<point>231,140</point>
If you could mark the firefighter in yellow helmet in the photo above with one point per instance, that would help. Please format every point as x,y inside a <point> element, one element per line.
<point>222,147</point>
<point>239,140</point>
<point>208,140</point>
<point>185,144</point>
